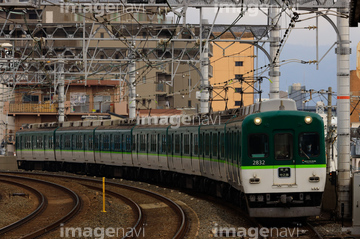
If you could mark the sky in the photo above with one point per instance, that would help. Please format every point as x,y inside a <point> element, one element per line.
<point>301,44</point>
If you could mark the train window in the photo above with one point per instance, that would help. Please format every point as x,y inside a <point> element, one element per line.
<point>57,141</point>
<point>258,146</point>
<point>67,141</point>
<point>309,144</point>
<point>163,143</point>
<point>215,145</point>
<point>196,144</point>
<point>128,143</point>
<point>153,143</point>
<point>39,142</point>
<point>117,142</point>
<point>90,142</point>
<point>106,142</point>
<point>201,143</point>
<point>228,145</point>
<point>170,136</point>
<point>283,146</point>
<point>50,141</point>
<point>73,140</point>
<point>222,145</point>
<point>186,144</point>
<point>142,143</point>
<point>177,143</point>
<point>28,142</point>
<point>79,142</point>
<point>46,141</point>
<point>207,144</point>
<point>96,142</point>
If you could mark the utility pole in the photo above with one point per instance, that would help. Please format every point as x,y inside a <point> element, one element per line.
<point>343,111</point>
<point>132,87</point>
<point>204,61</point>
<point>6,138</point>
<point>328,133</point>
<point>274,73</point>
<point>204,100</point>
<point>61,92</point>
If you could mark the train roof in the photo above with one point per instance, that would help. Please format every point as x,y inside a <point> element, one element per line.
<point>158,121</point>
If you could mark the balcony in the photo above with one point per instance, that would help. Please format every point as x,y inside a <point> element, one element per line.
<point>33,108</point>
<point>161,88</point>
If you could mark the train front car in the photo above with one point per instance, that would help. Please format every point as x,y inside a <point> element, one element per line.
<point>283,169</point>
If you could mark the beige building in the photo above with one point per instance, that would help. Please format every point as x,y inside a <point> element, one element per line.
<point>232,63</point>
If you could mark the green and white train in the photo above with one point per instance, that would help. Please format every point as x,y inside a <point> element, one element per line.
<point>268,156</point>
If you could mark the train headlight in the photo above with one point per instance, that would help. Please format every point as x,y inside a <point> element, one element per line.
<point>257,121</point>
<point>308,119</point>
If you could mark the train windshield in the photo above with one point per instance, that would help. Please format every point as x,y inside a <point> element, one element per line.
<point>309,145</point>
<point>283,146</point>
<point>258,146</point>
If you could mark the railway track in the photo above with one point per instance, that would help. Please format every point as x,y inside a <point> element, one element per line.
<point>290,228</point>
<point>157,216</point>
<point>51,198</point>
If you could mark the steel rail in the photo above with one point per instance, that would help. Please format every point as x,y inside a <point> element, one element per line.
<point>68,216</point>
<point>42,205</point>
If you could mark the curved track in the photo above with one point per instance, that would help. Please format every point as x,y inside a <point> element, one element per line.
<point>42,203</point>
<point>59,205</point>
<point>148,217</point>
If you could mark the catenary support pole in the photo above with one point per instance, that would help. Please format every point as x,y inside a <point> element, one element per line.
<point>61,92</point>
<point>132,87</point>
<point>274,15</point>
<point>204,61</point>
<point>205,80</point>
<point>328,130</point>
<point>343,112</point>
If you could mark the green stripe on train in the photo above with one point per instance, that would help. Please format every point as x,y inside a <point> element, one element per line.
<point>285,166</point>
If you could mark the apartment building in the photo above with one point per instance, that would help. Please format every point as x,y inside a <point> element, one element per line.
<point>233,80</point>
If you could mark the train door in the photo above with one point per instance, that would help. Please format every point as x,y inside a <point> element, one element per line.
<point>284,170</point>
<point>195,156</point>
<point>228,155</point>
<point>238,156</point>
<point>116,148</point>
<point>169,150</point>
<point>89,149</point>
<point>201,153</point>
<point>97,148</point>
<point>234,150</point>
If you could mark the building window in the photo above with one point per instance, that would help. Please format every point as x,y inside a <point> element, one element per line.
<point>238,103</point>
<point>101,35</point>
<point>239,63</point>
<point>32,15</point>
<point>238,76</point>
<point>144,79</point>
<point>189,103</point>
<point>238,90</point>
<point>30,98</point>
